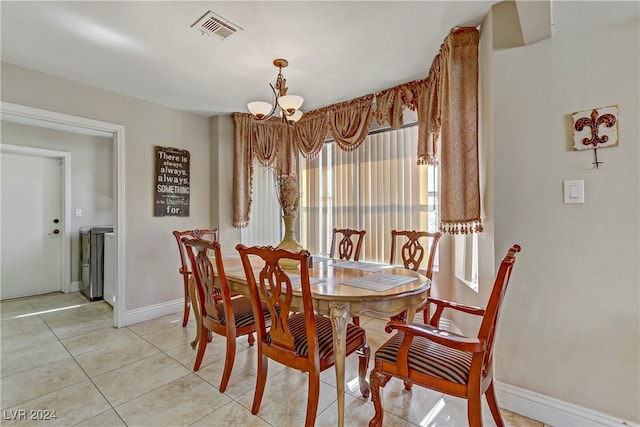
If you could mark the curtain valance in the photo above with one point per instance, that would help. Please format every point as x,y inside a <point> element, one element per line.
<point>446,102</point>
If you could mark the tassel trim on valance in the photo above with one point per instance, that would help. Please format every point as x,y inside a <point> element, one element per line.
<point>468,227</point>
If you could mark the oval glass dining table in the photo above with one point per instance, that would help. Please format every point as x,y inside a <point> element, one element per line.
<point>342,290</point>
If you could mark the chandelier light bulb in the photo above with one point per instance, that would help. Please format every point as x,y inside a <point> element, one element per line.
<point>290,103</point>
<point>259,108</point>
<point>297,115</point>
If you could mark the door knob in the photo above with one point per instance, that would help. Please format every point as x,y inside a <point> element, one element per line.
<point>56,231</point>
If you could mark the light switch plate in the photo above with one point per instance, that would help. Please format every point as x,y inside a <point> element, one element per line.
<point>574,191</point>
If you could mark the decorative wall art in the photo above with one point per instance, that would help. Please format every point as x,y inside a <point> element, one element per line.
<point>596,128</point>
<point>172,186</point>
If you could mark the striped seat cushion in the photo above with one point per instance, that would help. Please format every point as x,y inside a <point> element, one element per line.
<point>429,358</point>
<point>298,329</point>
<point>242,311</point>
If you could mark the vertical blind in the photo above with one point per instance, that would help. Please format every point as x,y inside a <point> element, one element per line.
<point>377,187</point>
<point>264,228</point>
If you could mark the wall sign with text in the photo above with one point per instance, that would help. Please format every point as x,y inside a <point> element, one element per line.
<point>172,182</point>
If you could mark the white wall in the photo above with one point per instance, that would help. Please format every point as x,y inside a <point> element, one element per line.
<point>222,183</point>
<point>152,261</point>
<point>92,169</point>
<point>570,324</point>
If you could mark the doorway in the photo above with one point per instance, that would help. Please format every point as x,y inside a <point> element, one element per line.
<point>34,222</point>
<point>52,120</point>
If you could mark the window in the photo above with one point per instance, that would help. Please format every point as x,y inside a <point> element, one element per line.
<point>265,224</point>
<point>466,256</point>
<point>377,187</point>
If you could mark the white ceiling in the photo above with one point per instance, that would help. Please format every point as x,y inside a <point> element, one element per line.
<point>147,49</point>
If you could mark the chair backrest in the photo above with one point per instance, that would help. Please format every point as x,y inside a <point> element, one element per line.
<point>210,234</point>
<point>492,311</point>
<point>346,246</point>
<point>200,252</point>
<point>268,282</point>
<point>412,251</point>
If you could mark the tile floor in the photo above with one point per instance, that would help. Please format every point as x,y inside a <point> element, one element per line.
<point>60,353</point>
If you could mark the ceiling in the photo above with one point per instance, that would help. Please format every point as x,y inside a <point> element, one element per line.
<point>146,49</point>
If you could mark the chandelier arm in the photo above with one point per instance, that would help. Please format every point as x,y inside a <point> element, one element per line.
<point>273,107</point>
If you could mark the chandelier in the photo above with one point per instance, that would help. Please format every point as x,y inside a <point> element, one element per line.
<point>289,104</point>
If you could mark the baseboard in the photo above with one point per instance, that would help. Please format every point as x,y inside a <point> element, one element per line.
<point>153,311</point>
<point>75,286</point>
<point>552,411</point>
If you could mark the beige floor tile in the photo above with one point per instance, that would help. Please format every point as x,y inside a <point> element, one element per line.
<point>515,420</point>
<point>25,333</point>
<point>106,340</point>
<point>141,377</point>
<point>77,321</point>
<point>216,350</point>
<point>159,324</point>
<point>22,326</point>
<point>289,408</point>
<point>358,413</point>
<point>71,316</point>
<point>108,418</point>
<point>231,415</point>
<point>352,384</point>
<point>197,400</point>
<point>99,362</point>
<point>173,337</point>
<point>39,381</point>
<point>32,357</point>
<point>243,375</point>
<point>103,307</point>
<point>58,300</point>
<point>13,308</point>
<point>64,407</point>
<point>412,405</point>
<point>81,328</point>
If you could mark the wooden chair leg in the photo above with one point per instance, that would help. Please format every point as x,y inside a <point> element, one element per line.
<point>377,380</point>
<point>251,340</point>
<point>261,380</point>
<point>228,362</point>
<point>493,405</point>
<point>356,320</point>
<point>314,395</point>
<point>363,365</point>
<point>474,409</point>
<point>426,313</point>
<point>187,306</point>
<point>408,385</point>
<point>202,346</point>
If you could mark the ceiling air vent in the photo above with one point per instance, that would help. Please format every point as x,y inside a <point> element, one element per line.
<point>211,23</point>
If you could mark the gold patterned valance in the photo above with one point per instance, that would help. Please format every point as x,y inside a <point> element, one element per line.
<point>446,102</point>
<point>311,132</point>
<point>350,121</point>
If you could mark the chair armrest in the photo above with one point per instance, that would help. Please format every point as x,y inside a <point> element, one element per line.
<point>442,304</point>
<point>447,339</point>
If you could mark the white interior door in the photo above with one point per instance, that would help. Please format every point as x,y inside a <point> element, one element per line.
<point>31,204</point>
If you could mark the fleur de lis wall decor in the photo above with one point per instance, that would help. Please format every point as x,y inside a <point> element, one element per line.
<point>596,128</point>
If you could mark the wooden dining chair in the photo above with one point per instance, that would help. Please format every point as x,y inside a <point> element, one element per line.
<point>223,315</point>
<point>416,247</point>
<point>185,270</point>
<point>349,244</point>
<point>442,361</point>
<point>298,337</point>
